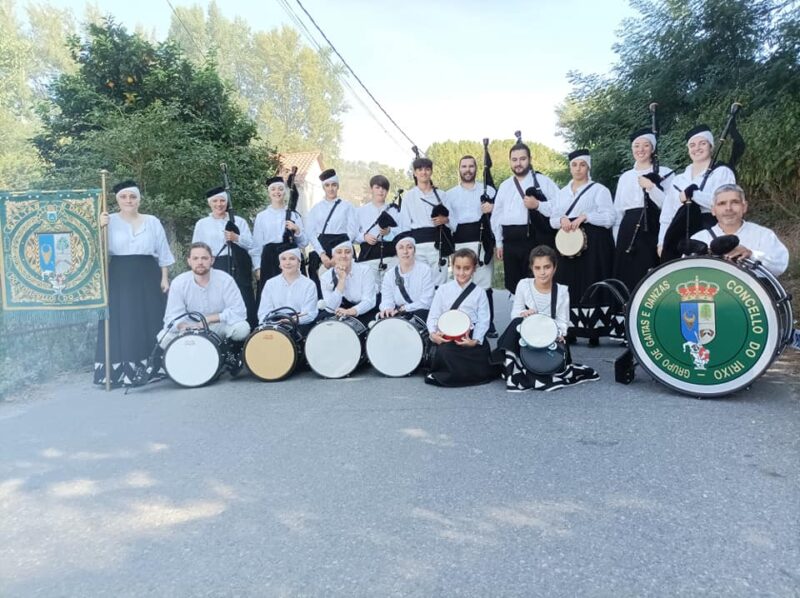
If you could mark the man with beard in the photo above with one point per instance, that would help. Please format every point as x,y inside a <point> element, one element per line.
<point>468,204</point>
<point>520,219</point>
<point>212,293</point>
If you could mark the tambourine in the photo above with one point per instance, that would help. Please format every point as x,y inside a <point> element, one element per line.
<point>454,324</point>
<point>571,243</point>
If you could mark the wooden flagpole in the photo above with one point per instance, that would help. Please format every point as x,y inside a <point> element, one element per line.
<point>104,251</point>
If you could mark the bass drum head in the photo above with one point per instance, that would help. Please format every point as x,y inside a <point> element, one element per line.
<point>192,360</point>
<point>395,347</point>
<point>270,354</point>
<point>333,348</point>
<point>538,331</point>
<point>703,326</point>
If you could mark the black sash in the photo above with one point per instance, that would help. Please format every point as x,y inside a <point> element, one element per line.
<point>322,236</point>
<point>460,299</point>
<point>577,199</point>
<point>553,299</point>
<point>544,233</point>
<point>711,232</point>
<point>401,285</point>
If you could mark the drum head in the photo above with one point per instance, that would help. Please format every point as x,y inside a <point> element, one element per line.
<point>703,326</point>
<point>395,347</point>
<point>270,354</point>
<point>333,348</point>
<point>572,243</point>
<point>538,331</point>
<point>453,324</point>
<point>192,360</point>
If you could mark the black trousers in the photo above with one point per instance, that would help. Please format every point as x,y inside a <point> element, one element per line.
<point>515,261</point>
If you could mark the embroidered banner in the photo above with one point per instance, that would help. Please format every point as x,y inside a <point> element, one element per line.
<point>50,257</point>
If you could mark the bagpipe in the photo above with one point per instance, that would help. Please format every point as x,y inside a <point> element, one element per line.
<point>291,206</point>
<point>383,221</point>
<point>444,243</point>
<point>238,258</point>
<point>486,240</point>
<point>655,177</point>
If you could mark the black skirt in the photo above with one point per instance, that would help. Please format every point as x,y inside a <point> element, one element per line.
<point>136,313</point>
<point>243,276</point>
<point>453,365</point>
<point>631,266</point>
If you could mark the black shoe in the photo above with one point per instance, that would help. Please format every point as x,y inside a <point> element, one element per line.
<point>594,342</point>
<point>492,332</point>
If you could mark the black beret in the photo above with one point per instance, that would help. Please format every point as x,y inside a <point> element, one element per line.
<point>124,185</point>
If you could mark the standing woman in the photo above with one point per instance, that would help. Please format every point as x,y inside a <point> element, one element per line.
<point>637,240</point>
<point>216,231</point>
<point>139,258</point>
<point>269,231</point>
<point>585,204</point>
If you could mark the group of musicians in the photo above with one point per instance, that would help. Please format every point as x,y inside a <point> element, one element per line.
<point>384,260</point>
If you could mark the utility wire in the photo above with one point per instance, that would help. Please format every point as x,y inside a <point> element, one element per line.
<point>186,29</point>
<point>352,72</point>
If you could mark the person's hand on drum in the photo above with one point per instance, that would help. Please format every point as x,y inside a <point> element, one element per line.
<point>566,224</point>
<point>104,219</point>
<point>466,342</point>
<point>739,253</point>
<point>527,312</point>
<point>387,313</point>
<point>370,238</point>
<point>341,312</point>
<point>438,338</point>
<point>576,224</point>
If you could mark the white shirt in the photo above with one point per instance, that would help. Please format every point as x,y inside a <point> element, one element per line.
<point>596,203</point>
<point>269,227</point>
<point>509,206</point>
<point>367,215</point>
<point>150,239</point>
<point>419,286</point>
<point>221,296</point>
<point>300,295</point>
<point>630,195</point>
<point>722,175</point>
<point>475,305</point>
<point>527,297</point>
<point>767,248</point>
<point>211,231</point>
<point>465,204</point>
<point>416,213</point>
<point>343,221</point>
<point>360,288</point>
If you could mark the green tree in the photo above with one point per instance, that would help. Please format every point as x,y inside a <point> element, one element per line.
<point>291,91</point>
<point>141,109</point>
<point>695,58</point>
<point>354,179</point>
<point>447,154</point>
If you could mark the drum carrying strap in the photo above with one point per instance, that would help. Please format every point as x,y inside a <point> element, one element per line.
<point>711,232</point>
<point>328,219</point>
<point>577,199</point>
<point>401,285</point>
<point>460,299</point>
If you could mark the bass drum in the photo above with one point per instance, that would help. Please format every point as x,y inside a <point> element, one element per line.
<point>335,347</point>
<point>396,346</point>
<point>194,358</point>
<point>708,327</point>
<point>272,351</point>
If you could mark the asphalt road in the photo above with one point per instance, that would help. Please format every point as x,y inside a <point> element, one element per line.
<point>388,487</point>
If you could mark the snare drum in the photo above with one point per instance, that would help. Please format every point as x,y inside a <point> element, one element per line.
<point>272,351</point>
<point>454,324</point>
<point>572,243</point>
<point>335,347</point>
<point>539,351</point>
<point>193,358</point>
<point>706,326</point>
<point>396,346</point>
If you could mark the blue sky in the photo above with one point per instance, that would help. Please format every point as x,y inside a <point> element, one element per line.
<point>443,70</point>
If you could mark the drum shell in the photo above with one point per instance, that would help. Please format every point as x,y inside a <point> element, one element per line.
<point>546,360</point>
<point>748,283</point>
<point>334,347</point>
<point>401,348</point>
<point>571,244</point>
<point>272,351</point>
<point>193,358</point>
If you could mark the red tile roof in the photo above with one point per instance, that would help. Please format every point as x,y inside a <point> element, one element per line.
<point>303,161</point>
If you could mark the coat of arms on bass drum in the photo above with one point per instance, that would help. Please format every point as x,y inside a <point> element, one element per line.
<point>698,321</point>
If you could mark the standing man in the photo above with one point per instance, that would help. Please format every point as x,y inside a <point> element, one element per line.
<point>375,229</point>
<point>468,203</point>
<point>326,220</point>
<point>425,215</point>
<point>522,208</point>
<point>214,294</point>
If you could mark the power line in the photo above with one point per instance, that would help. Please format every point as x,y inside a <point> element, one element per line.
<point>352,72</point>
<point>186,29</point>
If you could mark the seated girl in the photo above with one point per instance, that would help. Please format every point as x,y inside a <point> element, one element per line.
<point>539,295</point>
<point>460,357</point>
<point>408,286</point>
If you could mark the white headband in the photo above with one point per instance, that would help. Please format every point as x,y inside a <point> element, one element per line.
<point>346,244</point>
<point>649,137</point>
<point>585,158</point>
<point>293,251</point>
<point>281,183</point>
<point>410,240</point>
<point>220,194</point>
<point>705,135</point>
<point>333,179</point>
<point>124,189</point>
